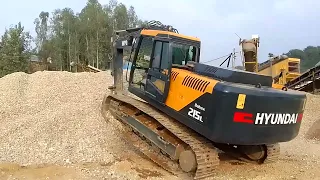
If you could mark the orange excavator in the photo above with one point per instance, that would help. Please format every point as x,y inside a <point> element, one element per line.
<point>182,113</point>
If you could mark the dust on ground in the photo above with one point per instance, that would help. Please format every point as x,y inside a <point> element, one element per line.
<point>51,127</point>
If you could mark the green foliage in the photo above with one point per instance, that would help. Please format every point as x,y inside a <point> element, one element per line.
<point>309,56</point>
<point>14,50</point>
<point>85,37</point>
<point>65,37</point>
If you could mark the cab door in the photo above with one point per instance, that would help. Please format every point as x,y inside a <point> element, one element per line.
<point>158,77</point>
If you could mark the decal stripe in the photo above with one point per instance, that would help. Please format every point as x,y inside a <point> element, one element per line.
<point>299,117</point>
<point>241,117</point>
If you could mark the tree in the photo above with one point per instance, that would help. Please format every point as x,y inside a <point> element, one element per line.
<point>15,50</point>
<point>132,17</point>
<point>41,29</point>
<point>66,37</point>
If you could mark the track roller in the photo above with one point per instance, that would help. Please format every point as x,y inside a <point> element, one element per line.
<point>188,161</point>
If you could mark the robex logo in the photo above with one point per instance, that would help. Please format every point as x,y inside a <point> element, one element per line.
<point>267,118</point>
<point>196,114</point>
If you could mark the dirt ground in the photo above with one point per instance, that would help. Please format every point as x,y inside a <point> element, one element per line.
<point>51,128</point>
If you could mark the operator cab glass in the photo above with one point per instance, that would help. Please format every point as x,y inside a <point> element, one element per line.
<point>181,54</point>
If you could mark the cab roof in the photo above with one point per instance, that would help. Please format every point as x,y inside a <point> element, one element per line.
<point>156,32</point>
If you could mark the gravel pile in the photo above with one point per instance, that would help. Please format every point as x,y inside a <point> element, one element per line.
<point>54,117</point>
<point>314,131</point>
<point>311,126</point>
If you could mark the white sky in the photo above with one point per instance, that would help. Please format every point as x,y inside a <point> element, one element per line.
<point>281,24</point>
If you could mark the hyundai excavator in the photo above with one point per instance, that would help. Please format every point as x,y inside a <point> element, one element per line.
<point>182,113</point>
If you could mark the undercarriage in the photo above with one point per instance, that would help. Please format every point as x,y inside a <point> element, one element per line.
<point>172,145</point>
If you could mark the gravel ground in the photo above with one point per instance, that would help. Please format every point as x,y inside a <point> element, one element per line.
<point>314,131</point>
<point>51,127</point>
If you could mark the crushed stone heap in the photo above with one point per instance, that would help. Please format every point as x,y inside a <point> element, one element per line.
<point>54,117</point>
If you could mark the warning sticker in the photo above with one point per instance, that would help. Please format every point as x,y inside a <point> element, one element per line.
<point>241,101</point>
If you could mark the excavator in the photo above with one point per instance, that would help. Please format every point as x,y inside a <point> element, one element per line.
<point>181,113</point>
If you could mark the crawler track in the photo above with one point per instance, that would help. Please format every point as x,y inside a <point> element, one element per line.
<point>206,154</point>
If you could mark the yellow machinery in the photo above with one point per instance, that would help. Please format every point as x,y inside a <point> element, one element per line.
<point>250,53</point>
<point>281,68</point>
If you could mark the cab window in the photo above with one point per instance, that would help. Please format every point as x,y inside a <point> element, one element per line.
<point>160,59</point>
<point>181,54</point>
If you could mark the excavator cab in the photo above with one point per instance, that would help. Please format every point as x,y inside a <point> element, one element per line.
<point>154,51</point>
<point>154,54</point>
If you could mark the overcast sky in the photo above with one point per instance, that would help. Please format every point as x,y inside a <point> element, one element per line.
<point>281,24</point>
